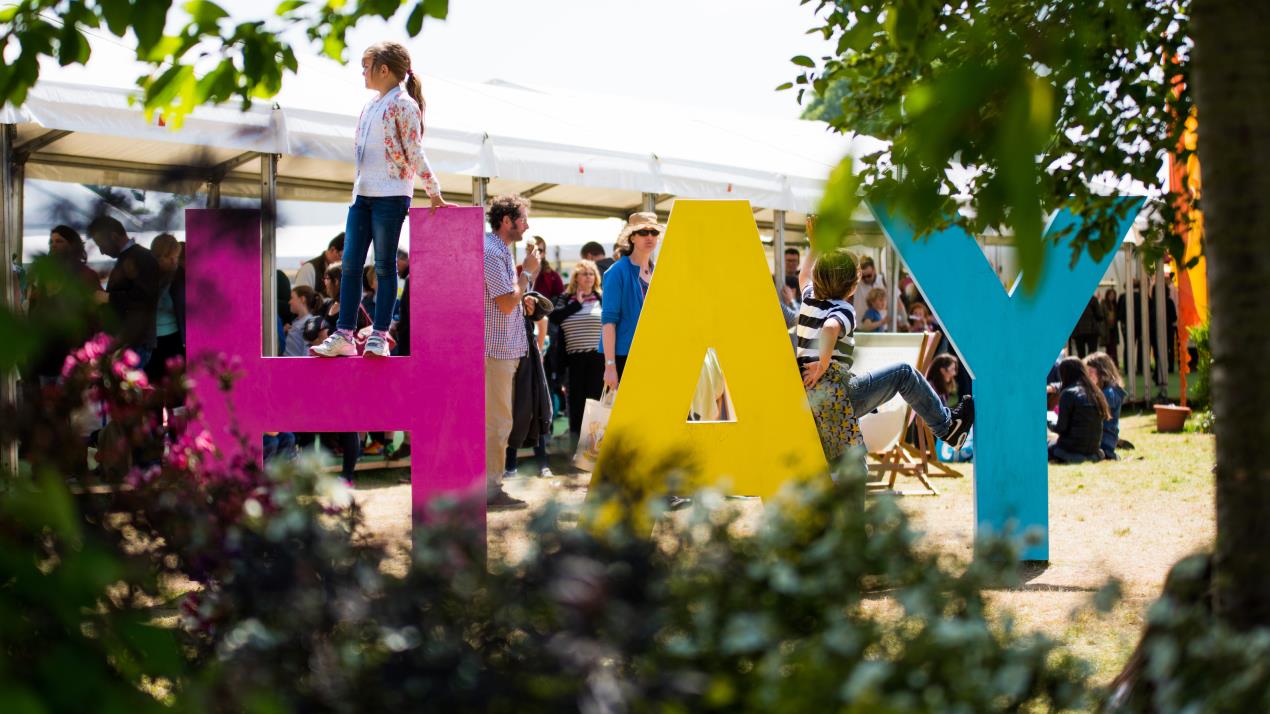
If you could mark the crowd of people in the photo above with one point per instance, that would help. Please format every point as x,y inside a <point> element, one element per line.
<point>551,345</point>
<point>1104,326</point>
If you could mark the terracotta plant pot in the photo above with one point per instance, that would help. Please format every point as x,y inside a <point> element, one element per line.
<point>1170,417</point>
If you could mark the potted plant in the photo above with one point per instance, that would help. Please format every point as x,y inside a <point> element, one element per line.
<point>1170,417</point>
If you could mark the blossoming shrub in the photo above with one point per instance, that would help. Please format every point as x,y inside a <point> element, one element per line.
<point>218,586</point>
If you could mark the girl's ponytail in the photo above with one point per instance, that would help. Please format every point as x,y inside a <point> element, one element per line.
<point>413,88</point>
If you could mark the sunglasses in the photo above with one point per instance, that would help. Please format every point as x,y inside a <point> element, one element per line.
<point>647,232</point>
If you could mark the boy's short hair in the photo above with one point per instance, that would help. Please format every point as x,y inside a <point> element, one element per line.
<point>591,248</point>
<point>866,262</point>
<point>874,294</point>
<point>834,275</point>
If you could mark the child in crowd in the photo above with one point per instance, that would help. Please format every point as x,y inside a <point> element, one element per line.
<point>919,319</point>
<point>1103,371</point>
<point>304,302</point>
<point>874,318</point>
<point>1082,410</point>
<point>388,153</point>
<point>826,346</point>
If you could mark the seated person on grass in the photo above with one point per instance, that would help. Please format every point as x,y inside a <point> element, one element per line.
<point>1102,369</point>
<point>1082,409</point>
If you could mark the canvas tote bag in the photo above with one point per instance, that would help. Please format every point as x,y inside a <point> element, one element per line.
<point>595,419</point>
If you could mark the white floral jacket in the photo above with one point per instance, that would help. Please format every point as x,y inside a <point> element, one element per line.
<point>403,142</point>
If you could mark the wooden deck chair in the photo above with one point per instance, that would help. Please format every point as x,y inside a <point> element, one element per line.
<point>924,448</point>
<point>884,429</point>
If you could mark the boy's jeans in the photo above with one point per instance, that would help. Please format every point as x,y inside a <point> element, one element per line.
<point>371,221</point>
<point>871,390</point>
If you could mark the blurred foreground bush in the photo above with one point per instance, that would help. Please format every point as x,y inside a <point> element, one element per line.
<point>176,579</point>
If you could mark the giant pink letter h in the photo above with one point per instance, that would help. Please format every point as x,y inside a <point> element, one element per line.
<point>436,393</point>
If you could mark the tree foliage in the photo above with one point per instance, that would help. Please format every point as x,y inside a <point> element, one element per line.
<point>999,112</point>
<point>198,55</point>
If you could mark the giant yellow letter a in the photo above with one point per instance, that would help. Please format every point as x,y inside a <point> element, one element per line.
<point>711,289</point>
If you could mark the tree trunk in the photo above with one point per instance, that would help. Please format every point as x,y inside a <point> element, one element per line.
<point>1232,92</point>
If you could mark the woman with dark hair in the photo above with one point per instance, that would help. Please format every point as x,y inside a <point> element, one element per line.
<point>330,310</point>
<point>66,245</point>
<point>548,282</point>
<point>1082,409</point>
<point>66,248</point>
<point>942,375</point>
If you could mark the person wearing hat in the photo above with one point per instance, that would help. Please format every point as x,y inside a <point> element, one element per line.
<point>625,288</point>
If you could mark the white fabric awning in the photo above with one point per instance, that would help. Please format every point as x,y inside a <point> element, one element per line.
<point>577,154</point>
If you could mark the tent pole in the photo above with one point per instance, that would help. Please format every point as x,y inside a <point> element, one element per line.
<point>480,191</point>
<point>213,194</point>
<point>268,253</point>
<point>893,284</point>
<point>9,379</point>
<point>1145,343</point>
<point>1161,338</point>
<point>650,203</point>
<point>1130,321</point>
<point>778,248</point>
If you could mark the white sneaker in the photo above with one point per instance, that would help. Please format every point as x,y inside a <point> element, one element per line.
<point>376,346</point>
<point>545,472</point>
<point>510,473</point>
<point>337,345</point>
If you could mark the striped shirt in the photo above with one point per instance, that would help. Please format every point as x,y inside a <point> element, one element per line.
<point>582,328</point>
<point>812,317</point>
<point>504,334</point>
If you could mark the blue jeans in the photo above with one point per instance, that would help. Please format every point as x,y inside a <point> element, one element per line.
<point>871,390</point>
<point>374,220</point>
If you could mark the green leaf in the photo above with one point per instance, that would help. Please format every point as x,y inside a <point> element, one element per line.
<point>803,61</point>
<point>833,218</point>
<point>783,87</point>
<point>205,13</point>
<point>73,48</point>
<point>414,23</point>
<point>438,9</point>
<point>149,18</point>
<point>289,6</point>
<point>116,13</point>
<point>333,47</point>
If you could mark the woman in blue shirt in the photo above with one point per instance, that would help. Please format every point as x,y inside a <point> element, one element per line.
<point>625,288</point>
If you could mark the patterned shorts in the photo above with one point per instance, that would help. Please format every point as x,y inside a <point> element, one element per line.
<point>835,419</point>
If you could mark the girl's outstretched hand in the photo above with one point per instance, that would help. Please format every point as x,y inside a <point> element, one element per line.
<point>439,202</point>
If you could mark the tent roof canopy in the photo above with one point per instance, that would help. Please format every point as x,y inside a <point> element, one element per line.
<point>575,154</point>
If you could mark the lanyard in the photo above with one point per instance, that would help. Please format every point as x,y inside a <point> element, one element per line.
<point>372,115</point>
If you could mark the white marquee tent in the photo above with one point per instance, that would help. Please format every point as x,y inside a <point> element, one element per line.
<point>574,154</point>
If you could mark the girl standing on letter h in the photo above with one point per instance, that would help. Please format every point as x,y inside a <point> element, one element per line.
<point>389,153</point>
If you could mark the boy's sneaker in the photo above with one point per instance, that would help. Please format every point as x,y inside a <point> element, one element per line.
<point>374,449</point>
<point>963,417</point>
<point>337,345</point>
<point>545,472</point>
<point>376,346</point>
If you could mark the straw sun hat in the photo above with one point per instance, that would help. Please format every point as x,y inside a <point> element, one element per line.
<point>637,222</point>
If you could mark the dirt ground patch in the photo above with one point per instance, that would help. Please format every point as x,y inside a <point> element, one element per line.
<point>1131,519</point>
